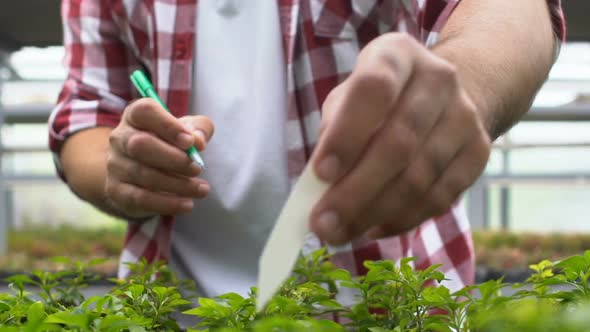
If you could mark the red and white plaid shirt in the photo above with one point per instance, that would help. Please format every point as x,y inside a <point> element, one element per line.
<point>106,40</point>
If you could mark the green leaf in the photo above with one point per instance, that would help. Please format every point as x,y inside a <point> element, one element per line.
<point>431,269</point>
<point>35,317</point>
<point>178,302</point>
<point>21,279</point>
<point>136,329</point>
<point>207,303</point>
<point>541,266</point>
<point>209,308</point>
<point>319,255</point>
<point>36,311</point>
<point>69,319</point>
<point>378,329</point>
<point>99,300</point>
<point>352,285</point>
<point>332,304</point>
<point>96,261</point>
<point>576,264</point>
<point>405,268</point>
<point>135,291</point>
<point>4,306</point>
<point>547,273</point>
<point>438,327</point>
<point>161,291</point>
<point>437,275</point>
<point>113,323</point>
<point>436,296</point>
<point>340,274</point>
<point>199,311</point>
<point>231,297</point>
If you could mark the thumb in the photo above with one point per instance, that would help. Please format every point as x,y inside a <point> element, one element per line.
<point>202,128</point>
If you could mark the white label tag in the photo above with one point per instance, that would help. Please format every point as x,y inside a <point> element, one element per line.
<point>286,239</point>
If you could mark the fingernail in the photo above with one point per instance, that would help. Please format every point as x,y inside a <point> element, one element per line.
<point>329,168</point>
<point>187,205</point>
<point>184,140</point>
<point>330,227</point>
<point>194,169</point>
<point>204,189</point>
<point>201,136</point>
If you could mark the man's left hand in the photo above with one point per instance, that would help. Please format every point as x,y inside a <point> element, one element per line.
<point>401,139</point>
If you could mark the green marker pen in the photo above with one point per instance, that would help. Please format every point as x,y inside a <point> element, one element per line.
<point>146,89</point>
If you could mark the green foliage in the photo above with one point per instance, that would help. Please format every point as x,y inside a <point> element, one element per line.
<point>389,298</point>
<point>144,302</point>
<point>395,297</point>
<point>31,247</point>
<point>503,250</point>
<point>44,241</point>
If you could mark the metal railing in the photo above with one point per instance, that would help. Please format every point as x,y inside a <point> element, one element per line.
<point>478,194</point>
<point>10,115</point>
<point>3,196</point>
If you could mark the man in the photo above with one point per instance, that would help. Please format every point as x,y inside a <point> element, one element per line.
<point>412,93</point>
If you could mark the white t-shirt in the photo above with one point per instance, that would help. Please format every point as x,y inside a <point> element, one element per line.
<point>240,77</point>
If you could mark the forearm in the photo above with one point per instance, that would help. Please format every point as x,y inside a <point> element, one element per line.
<point>84,159</point>
<point>503,51</point>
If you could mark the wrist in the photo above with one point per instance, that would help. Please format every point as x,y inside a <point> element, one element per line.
<point>111,208</point>
<point>84,159</point>
<point>503,57</point>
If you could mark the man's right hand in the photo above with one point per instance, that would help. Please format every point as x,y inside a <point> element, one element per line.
<point>139,168</point>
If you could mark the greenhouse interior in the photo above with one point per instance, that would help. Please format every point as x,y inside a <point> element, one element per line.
<point>61,257</point>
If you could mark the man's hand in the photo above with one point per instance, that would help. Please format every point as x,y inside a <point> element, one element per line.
<point>148,171</point>
<point>401,139</point>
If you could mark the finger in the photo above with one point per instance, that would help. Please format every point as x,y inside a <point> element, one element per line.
<point>134,200</point>
<point>397,225</point>
<point>357,108</point>
<point>461,173</point>
<point>460,138</point>
<point>132,172</point>
<point>150,150</point>
<point>202,128</point>
<point>147,115</point>
<point>455,129</point>
<point>389,153</point>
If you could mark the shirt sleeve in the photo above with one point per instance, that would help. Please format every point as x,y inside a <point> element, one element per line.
<point>98,62</point>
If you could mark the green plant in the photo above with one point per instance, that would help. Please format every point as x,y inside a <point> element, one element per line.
<point>390,297</point>
<point>31,247</point>
<point>47,241</point>
<point>502,250</point>
<point>144,302</point>
<point>398,298</point>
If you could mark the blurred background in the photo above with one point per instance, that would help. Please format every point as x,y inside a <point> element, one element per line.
<point>532,202</point>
